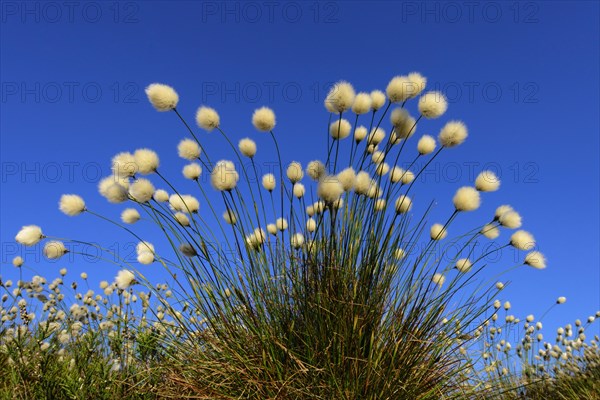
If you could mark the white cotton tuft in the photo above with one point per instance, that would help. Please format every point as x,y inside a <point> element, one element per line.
<point>29,235</point>
<point>438,279</point>
<point>466,199</point>
<point>161,196</point>
<point>403,204</point>
<point>404,125</point>
<point>224,177</point>
<point>272,229</point>
<point>315,169</point>
<point>438,232</point>
<point>376,136</point>
<point>382,169</point>
<point>114,188</point>
<point>263,119</point>
<point>144,246</point>
<point>162,97</point>
<point>380,205</point>
<point>330,189</point>
<point>399,89</point>
<point>146,160</point>
<point>463,265</point>
<point>298,190</point>
<point>182,218</point>
<point>297,240</point>
<point>130,216</point>
<point>360,134</point>
<point>247,147</point>
<point>207,118</point>
<point>184,203</point>
<point>269,182</point>
<point>433,105</point>
<point>145,258</point>
<point>18,261</point>
<point>536,260</point>
<point>510,219</point>
<point>188,149</point>
<point>340,129</point>
<point>347,178</point>
<point>561,300</point>
<point>229,217</point>
<point>426,145</point>
<point>340,97</point>
<point>487,181</point>
<point>124,279</point>
<point>362,103</point>
<point>311,225</point>
<point>377,99</point>
<point>522,240</point>
<point>124,165</point>
<point>71,204</point>
<point>362,182</point>
<point>490,231</point>
<point>419,82</point>
<point>294,172</point>
<point>54,250</point>
<point>501,210</point>
<point>192,171</point>
<point>453,134</point>
<point>281,224</point>
<point>141,190</point>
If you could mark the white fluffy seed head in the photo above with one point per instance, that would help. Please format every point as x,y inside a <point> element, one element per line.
<point>330,189</point>
<point>141,190</point>
<point>298,190</point>
<point>510,219</point>
<point>144,246</point>
<point>501,210</point>
<point>419,82</point>
<point>463,265</point>
<point>487,181</point>
<point>362,103</point>
<point>229,217</point>
<point>161,196</point>
<point>297,240</point>
<point>378,157</point>
<point>433,105</point>
<point>340,129</point>
<point>536,260</point>
<point>490,231</point>
<point>130,216</point>
<point>18,261</point>
<point>184,203</point>
<point>124,279</point>
<point>340,97</point>
<point>247,147</point>
<point>398,89</point>
<point>54,250</point>
<point>272,229</point>
<point>188,149</point>
<point>124,165</point>
<point>146,160</point>
<point>269,182</point>
<point>382,169</point>
<point>207,118</point>
<point>403,204</point>
<point>466,199</point>
<point>360,134</point>
<point>294,172</point>
<point>438,279</point>
<point>315,169</point>
<point>192,171</point>
<point>377,99</point>
<point>311,225</point>
<point>376,136</point>
<point>426,145</point>
<point>380,205</point>
<point>453,134</point>
<point>224,177</point>
<point>404,125</point>
<point>182,219</point>
<point>281,224</point>
<point>71,204</point>
<point>263,119</point>
<point>522,240</point>
<point>561,300</point>
<point>145,258</point>
<point>438,232</point>
<point>114,188</point>
<point>347,178</point>
<point>362,182</point>
<point>507,305</point>
<point>162,97</point>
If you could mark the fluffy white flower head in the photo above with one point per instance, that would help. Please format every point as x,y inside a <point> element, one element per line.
<point>403,204</point>
<point>426,145</point>
<point>347,177</point>
<point>404,125</point>
<point>184,203</point>
<point>490,231</point>
<point>340,129</point>
<point>192,171</point>
<point>340,97</point>
<point>438,279</point>
<point>522,240</point>
<point>263,119</point>
<point>330,189</point>
<point>487,181</point>
<point>224,177</point>
<point>207,118</point>
<point>453,134</point>
<point>229,217</point>
<point>124,165</point>
<point>466,199</point>
<point>295,172</point>
<point>161,196</point>
<point>377,99</point>
<point>438,232</point>
<point>298,190</point>
<point>269,182</point>
<point>433,105</point>
<point>463,265</point>
<point>362,103</point>
<point>141,190</point>
<point>162,97</point>
<point>247,147</point>
<point>315,169</point>
<point>536,260</point>
<point>146,160</point>
<point>130,216</point>
<point>510,219</point>
<point>188,149</point>
<point>297,240</point>
<point>145,258</point>
<point>360,134</point>
<point>54,250</point>
<point>124,279</point>
<point>71,204</point>
<point>29,235</point>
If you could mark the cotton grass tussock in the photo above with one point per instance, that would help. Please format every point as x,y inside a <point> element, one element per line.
<point>188,149</point>
<point>247,147</point>
<point>207,118</point>
<point>71,204</point>
<point>162,97</point>
<point>340,97</point>
<point>340,129</point>
<point>29,235</point>
<point>263,119</point>
<point>466,199</point>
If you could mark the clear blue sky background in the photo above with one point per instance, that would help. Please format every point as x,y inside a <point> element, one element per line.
<point>524,76</point>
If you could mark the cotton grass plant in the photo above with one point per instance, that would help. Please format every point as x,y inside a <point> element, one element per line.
<point>333,283</point>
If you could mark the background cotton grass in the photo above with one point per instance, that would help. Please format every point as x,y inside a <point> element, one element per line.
<point>300,286</point>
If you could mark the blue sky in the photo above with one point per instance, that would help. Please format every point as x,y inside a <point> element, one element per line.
<point>524,76</point>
